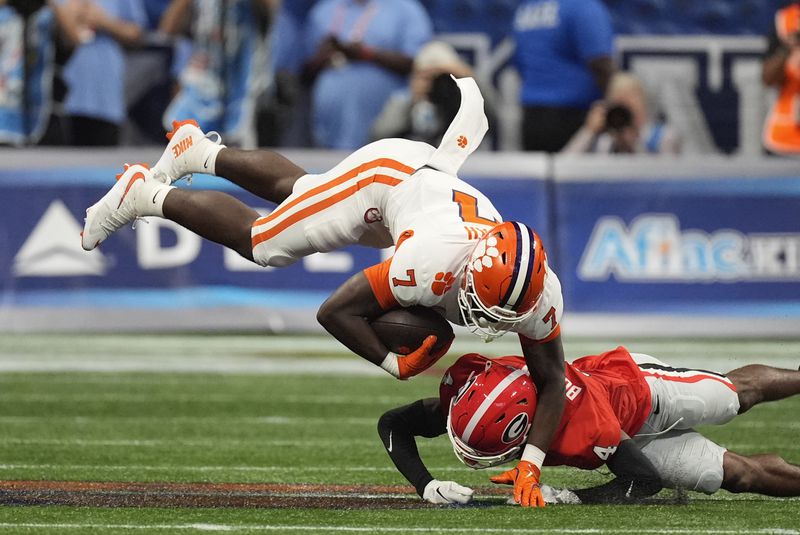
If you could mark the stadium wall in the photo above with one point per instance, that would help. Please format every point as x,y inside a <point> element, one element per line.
<point>643,246</point>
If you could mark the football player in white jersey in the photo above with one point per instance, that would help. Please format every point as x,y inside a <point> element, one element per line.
<point>453,252</point>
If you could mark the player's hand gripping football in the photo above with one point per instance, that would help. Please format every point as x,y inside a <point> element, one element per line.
<point>421,359</point>
<point>525,478</point>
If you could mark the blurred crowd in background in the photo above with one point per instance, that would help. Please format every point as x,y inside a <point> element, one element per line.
<point>339,73</point>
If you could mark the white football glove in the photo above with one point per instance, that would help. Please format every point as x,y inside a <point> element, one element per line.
<point>443,492</point>
<point>555,495</point>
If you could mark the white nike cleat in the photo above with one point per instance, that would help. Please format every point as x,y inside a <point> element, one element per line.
<point>120,205</point>
<point>189,150</point>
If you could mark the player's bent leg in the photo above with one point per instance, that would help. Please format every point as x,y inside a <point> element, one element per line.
<point>764,474</point>
<point>686,459</point>
<point>689,398</point>
<point>757,383</point>
<point>213,215</point>
<point>190,150</point>
<point>263,173</point>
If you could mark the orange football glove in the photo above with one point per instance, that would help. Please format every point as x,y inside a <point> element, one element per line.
<point>525,478</point>
<point>420,360</point>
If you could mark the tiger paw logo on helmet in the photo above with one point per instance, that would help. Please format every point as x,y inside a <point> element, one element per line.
<point>444,281</point>
<point>485,251</point>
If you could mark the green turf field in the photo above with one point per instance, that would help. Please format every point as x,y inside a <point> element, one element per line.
<point>252,409</point>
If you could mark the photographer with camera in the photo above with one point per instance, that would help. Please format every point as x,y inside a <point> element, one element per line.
<point>621,124</point>
<point>424,110</point>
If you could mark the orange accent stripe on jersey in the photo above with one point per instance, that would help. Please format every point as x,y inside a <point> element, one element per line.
<point>378,277</point>
<point>352,173</point>
<point>531,341</point>
<point>319,206</point>
<point>555,332</point>
<point>693,379</point>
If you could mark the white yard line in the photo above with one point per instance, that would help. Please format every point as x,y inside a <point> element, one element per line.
<point>204,469</point>
<point>186,363</point>
<point>205,397</point>
<point>305,528</point>
<point>284,354</point>
<point>268,443</point>
<point>199,420</point>
<point>183,443</point>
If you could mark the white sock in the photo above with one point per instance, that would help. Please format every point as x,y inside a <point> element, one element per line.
<point>209,164</point>
<point>150,198</point>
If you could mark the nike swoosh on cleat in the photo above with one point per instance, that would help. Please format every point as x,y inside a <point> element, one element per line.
<point>137,176</point>
<point>205,164</point>
<point>154,197</point>
<point>390,441</point>
<point>628,494</point>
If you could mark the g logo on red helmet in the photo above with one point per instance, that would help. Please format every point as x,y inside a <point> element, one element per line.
<point>515,428</point>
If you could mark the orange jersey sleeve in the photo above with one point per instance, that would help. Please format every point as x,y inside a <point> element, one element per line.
<point>378,277</point>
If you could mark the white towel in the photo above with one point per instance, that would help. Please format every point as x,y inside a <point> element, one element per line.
<point>465,133</point>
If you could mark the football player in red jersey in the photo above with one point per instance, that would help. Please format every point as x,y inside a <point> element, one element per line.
<point>453,252</point>
<point>631,412</point>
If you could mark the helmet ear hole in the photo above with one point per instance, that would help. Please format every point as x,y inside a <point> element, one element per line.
<point>500,418</point>
<point>523,401</point>
<point>503,257</point>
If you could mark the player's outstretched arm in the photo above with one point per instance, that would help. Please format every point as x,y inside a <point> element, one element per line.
<point>545,362</point>
<point>397,429</point>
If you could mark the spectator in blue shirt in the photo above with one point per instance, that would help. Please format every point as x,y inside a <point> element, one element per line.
<point>95,73</point>
<point>563,53</point>
<point>359,52</point>
<point>25,102</point>
<point>227,69</point>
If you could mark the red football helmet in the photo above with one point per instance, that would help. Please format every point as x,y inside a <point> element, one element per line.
<point>503,280</point>
<point>489,418</point>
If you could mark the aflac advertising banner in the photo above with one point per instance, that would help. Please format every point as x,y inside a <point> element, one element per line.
<point>702,246</point>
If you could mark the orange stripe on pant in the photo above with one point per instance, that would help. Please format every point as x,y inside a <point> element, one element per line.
<point>341,179</point>
<point>319,206</point>
<point>693,379</point>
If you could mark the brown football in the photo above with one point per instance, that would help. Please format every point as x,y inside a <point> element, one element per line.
<point>404,329</point>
